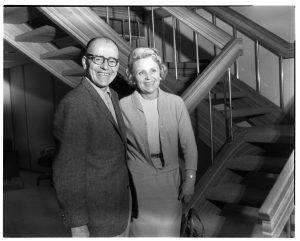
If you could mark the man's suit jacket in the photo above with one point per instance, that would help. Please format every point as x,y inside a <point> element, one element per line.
<point>89,171</point>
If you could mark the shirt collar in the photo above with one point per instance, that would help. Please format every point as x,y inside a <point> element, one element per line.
<point>100,91</point>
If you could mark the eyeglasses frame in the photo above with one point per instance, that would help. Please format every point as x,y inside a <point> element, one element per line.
<point>92,57</point>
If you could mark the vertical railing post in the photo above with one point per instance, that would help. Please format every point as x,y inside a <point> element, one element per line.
<point>257,67</point>
<point>123,28</point>
<point>225,107</point>
<point>281,86</point>
<point>178,37</point>
<point>211,129</point>
<point>236,63</point>
<point>197,52</point>
<point>129,25</point>
<point>163,39</point>
<point>139,34</point>
<point>288,228</point>
<point>153,30</point>
<point>174,47</point>
<point>107,18</point>
<point>214,21</point>
<point>230,106</point>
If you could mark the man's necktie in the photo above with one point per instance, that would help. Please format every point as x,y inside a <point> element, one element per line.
<point>110,106</point>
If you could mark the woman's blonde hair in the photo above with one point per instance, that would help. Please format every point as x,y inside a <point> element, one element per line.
<point>142,53</point>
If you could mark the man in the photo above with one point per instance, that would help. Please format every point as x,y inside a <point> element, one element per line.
<point>90,173</point>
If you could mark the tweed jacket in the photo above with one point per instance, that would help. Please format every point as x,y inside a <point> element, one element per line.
<point>89,171</point>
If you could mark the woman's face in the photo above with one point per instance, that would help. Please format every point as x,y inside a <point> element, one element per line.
<point>147,75</point>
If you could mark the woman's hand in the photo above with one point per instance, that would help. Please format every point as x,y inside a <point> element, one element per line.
<point>187,188</point>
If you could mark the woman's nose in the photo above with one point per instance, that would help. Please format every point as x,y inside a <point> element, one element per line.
<point>147,76</point>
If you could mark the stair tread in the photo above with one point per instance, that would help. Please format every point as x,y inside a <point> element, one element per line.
<point>241,212</point>
<point>237,193</point>
<point>232,227</point>
<point>257,163</point>
<point>246,112</point>
<point>19,15</point>
<point>260,179</point>
<point>74,72</point>
<point>70,52</point>
<point>234,95</point>
<point>271,134</point>
<point>187,65</point>
<point>42,34</point>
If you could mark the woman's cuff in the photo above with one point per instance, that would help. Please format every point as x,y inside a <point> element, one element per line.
<point>190,174</point>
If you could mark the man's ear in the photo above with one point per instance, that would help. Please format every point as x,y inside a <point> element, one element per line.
<point>84,62</point>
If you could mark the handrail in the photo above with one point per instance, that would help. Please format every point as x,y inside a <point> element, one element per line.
<point>265,38</point>
<point>200,25</point>
<point>279,203</point>
<point>197,91</point>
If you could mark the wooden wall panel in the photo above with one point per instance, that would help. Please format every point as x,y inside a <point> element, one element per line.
<point>40,109</point>
<point>7,111</point>
<point>19,116</point>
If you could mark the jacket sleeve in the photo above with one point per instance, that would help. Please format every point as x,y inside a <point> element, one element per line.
<point>186,136</point>
<point>69,167</point>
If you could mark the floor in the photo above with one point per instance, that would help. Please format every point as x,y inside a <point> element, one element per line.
<point>30,210</point>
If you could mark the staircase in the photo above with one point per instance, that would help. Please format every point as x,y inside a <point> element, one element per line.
<point>248,190</point>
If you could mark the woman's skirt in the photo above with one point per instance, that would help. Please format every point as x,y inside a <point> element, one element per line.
<point>159,210</point>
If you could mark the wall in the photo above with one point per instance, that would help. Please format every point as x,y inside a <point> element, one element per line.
<point>30,96</point>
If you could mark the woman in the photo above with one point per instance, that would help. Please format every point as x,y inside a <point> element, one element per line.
<point>156,122</point>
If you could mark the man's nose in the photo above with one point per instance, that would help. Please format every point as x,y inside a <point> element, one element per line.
<point>105,64</point>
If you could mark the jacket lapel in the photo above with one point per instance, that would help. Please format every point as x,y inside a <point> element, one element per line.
<point>102,106</point>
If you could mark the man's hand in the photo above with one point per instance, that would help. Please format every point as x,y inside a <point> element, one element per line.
<point>81,231</point>
<point>187,188</point>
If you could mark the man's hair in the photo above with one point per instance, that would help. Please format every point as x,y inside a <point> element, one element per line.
<point>91,41</point>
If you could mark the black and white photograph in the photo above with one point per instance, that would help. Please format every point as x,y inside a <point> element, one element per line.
<point>149,120</point>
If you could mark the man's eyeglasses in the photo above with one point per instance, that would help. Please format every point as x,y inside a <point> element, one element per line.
<point>112,62</point>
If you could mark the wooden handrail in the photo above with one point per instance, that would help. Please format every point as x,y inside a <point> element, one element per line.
<point>202,26</point>
<point>197,91</point>
<point>279,203</point>
<point>265,38</point>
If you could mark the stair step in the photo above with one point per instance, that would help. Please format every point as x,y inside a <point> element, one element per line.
<point>234,95</point>
<point>43,34</point>
<point>236,228</point>
<point>247,112</point>
<point>271,134</point>
<point>241,212</point>
<point>237,193</point>
<point>74,72</point>
<point>257,163</point>
<point>19,15</point>
<point>260,180</point>
<point>70,52</point>
<point>186,72</point>
<point>187,65</point>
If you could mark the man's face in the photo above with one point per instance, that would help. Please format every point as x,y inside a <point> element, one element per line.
<point>101,74</point>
